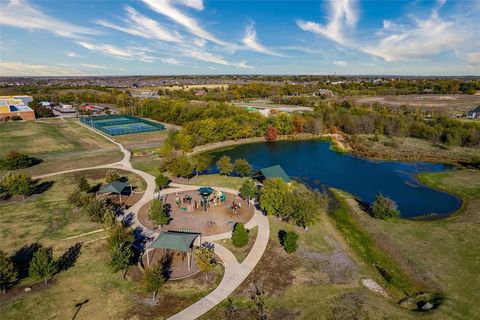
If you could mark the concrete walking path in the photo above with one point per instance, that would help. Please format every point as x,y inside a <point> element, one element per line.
<point>235,273</point>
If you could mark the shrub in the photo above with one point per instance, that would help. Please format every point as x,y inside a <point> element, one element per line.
<point>16,160</point>
<point>384,208</point>
<point>8,272</point>
<point>162,181</point>
<point>43,265</point>
<point>111,175</point>
<point>239,235</point>
<point>83,185</point>
<point>17,184</point>
<point>289,241</point>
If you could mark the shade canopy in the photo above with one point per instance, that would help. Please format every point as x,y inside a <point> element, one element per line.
<point>205,190</point>
<point>114,187</point>
<point>272,172</point>
<point>174,240</point>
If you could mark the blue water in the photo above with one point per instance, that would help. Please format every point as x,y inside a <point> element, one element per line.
<point>315,164</point>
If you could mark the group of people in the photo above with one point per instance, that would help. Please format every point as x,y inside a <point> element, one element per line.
<point>235,206</point>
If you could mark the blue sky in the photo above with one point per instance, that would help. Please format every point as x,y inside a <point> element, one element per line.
<point>163,37</point>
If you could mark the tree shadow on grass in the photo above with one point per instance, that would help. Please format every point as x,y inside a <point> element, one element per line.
<point>22,257</point>
<point>281,236</point>
<point>69,258</point>
<point>42,186</point>
<point>95,188</point>
<point>167,261</point>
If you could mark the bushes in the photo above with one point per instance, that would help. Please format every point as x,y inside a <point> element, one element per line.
<point>83,185</point>
<point>288,240</point>
<point>8,272</point>
<point>111,175</point>
<point>384,208</point>
<point>162,181</point>
<point>17,184</point>
<point>239,235</point>
<point>16,160</point>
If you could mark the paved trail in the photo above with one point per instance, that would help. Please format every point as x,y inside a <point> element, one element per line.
<point>235,273</point>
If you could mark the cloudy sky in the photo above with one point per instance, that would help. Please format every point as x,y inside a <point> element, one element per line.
<point>165,37</point>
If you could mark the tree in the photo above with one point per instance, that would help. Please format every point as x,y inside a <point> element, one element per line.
<point>204,258</point>
<point>302,206</point>
<point>157,213</point>
<point>242,167</point>
<point>154,279</point>
<point>384,208</point>
<point>162,181</point>
<point>224,165</point>
<point>83,185</point>
<point>43,265</point>
<point>257,296</point>
<point>111,175</point>
<point>289,241</point>
<point>8,272</point>
<point>231,310</point>
<point>273,195</point>
<point>184,141</point>
<point>201,162</point>
<point>18,184</point>
<point>248,190</point>
<point>178,166</point>
<point>14,160</point>
<point>120,245</point>
<point>239,235</point>
<point>271,133</point>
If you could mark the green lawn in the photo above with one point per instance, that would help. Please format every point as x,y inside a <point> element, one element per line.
<point>241,253</point>
<point>216,180</point>
<point>61,144</point>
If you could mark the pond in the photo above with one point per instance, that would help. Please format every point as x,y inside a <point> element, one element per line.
<point>315,164</point>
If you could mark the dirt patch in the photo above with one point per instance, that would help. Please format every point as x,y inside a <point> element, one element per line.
<point>18,292</point>
<point>274,272</point>
<point>347,307</point>
<point>338,265</point>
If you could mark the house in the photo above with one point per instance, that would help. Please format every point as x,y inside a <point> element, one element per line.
<point>272,172</point>
<point>474,114</point>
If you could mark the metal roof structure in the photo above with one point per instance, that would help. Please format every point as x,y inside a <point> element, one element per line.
<point>114,187</point>
<point>180,241</point>
<point>273,172</point>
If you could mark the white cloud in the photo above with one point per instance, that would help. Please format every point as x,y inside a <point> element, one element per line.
<point>474,58</point>
<point>9,68</point>
<point>139,25</point>
<point>24,15</point>
<point>213,58</point>
<point>166,8</point>
<point>250,40</point>
<point>341,12</point>
<point>340,63</point>
<point>172,61</point>
<point>421,39</point>
<point>122,53</point>
<point>92,66</point>
<point>72,54</point>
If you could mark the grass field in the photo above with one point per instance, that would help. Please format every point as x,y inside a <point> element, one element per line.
<point>62,145</point>
<point>48,218</point>
<point>216,180</point>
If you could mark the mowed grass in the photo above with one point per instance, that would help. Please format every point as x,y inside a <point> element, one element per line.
<point>62,145</point>
<point>48,217</point>
<point>216,180</point>
<point>241,253</point>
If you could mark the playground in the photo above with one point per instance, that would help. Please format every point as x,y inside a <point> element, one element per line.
<point>219,217</point>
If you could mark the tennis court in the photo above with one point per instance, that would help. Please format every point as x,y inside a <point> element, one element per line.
<point>116,125</point>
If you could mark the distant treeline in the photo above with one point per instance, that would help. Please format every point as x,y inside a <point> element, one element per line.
<point>218,121</point>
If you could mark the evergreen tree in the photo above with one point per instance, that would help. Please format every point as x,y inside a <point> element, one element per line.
<point>289,241</point>
<point>224,165</point>
<point>8,272</point>
<point>162,181</point>
<point>83,185</point>
<point>239,235</point>
<point>43,265</point>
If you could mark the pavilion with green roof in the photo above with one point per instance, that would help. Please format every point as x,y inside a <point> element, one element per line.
<point>272,172</point>
<point>175,240</point>
<point>116,187</point>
